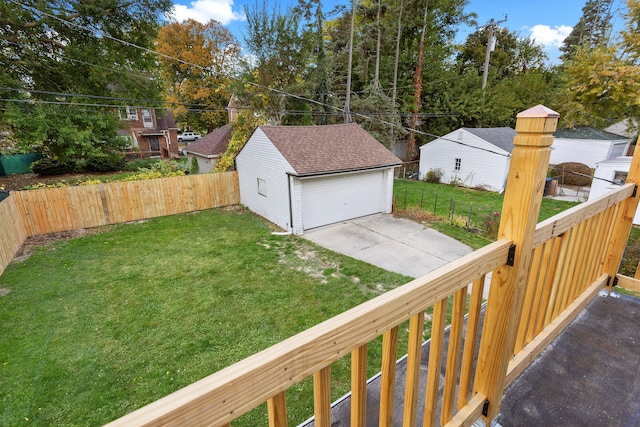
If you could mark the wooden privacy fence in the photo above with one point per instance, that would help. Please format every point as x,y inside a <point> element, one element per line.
<point>68,208</point>
<point>50,210</point>
<point>542,276</point>
<point>12,232</point>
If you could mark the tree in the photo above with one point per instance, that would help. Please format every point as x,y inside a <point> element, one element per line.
<point>280,52</point>
<point>198,86</point>
<point>603,82</point>
<point>59,49</point>
<point>511,55</point>
<point>592,30</point>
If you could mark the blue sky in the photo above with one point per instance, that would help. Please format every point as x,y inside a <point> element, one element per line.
<point>547,21</point>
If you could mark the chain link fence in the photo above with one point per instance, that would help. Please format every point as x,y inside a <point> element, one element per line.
<point>456,211</point>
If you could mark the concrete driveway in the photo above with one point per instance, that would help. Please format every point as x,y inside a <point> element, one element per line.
<point>394,244</point>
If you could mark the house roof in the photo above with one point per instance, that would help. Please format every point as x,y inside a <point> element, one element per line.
<point>501,137</point>
<point>164,122</point>
<point>330,148</point>
<point>588,132</point>
<point>212,144</point>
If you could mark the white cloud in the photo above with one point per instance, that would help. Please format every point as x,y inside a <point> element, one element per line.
<point>205,10</point>
<point>550,37</point>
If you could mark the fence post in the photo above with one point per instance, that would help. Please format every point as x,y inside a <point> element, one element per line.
<point>435,205</point>
<point>623,222</point>
<point>521,206</point>
<point>452,207</point>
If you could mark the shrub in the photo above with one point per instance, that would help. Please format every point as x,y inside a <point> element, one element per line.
<point>195,168</point>
<point>106,163</point>
<point>138,164</point>
<point>434,175</point>
<point>159,169</point>
<point>48,166</point>
<point>492,224</point>
<point>571,173</point>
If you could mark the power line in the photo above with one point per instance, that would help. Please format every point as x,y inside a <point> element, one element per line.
<point>278,91</point>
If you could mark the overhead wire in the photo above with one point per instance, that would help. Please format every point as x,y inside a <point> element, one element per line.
<point>274,90</point>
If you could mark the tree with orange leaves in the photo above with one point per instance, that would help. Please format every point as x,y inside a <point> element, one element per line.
<point>197,83</point>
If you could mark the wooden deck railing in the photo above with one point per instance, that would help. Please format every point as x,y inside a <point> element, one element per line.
<point>542,276</point>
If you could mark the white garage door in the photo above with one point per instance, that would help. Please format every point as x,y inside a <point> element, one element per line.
<point>332,199</point>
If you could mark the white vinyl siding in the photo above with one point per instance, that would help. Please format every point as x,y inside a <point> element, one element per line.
<point>330,199</point>
<point>260,159</point>
<point>205,164</point>
<point>470,164</point>
<point>611,170</point>
<point>586,151</point>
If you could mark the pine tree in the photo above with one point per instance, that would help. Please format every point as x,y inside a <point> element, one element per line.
<point>592,30</point>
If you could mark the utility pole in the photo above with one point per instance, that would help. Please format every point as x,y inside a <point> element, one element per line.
<point>491,45</point>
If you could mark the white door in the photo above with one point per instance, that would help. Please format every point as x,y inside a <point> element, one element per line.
<point>337,198</point>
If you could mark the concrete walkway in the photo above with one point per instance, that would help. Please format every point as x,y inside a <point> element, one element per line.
<point>394,244</point>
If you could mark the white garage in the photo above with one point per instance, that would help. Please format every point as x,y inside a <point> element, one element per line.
<point>302,177</point>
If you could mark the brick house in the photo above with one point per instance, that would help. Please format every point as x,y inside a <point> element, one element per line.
<point>153,133</point>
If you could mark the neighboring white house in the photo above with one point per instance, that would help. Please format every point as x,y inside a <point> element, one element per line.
<point>208,149</point>
<point>302,177</point>
<point>609,175</point>
<point>622,128</point>
<point>474,157</point>
<point>587,145</point>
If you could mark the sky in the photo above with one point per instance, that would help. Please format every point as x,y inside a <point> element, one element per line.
<point>547,21</point>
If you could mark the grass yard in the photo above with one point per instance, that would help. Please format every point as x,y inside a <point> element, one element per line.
<point>433,203</point>
<point>95,327</point>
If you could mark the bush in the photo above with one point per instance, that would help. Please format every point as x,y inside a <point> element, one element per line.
<point>138,164</point>
<point>159,169</point>
<point>568,173</point>
<point>106,163</point>
<point>48,166</point>
<point>195,167</point>
<point>434,175</point>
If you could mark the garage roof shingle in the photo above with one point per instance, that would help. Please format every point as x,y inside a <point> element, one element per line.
<point>213,144</point>
<point>329,148</point>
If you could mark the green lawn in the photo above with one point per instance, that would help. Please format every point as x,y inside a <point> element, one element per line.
<point>436,200</point>
<point>95,327</point>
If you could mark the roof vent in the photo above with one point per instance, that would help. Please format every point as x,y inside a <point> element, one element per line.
<point>460,135</point>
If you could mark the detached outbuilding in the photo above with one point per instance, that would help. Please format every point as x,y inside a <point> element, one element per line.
<point>473,157</point>
<point>587,145</point>
<point>207,150</point>
<point>610,175</point>
<point>302,177</point>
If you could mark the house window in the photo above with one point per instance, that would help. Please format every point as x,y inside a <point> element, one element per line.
<point>128,113</point>
<point>262,187</point>
<point>147,117</point>
<point>458,164</point>
<point>619,177</point>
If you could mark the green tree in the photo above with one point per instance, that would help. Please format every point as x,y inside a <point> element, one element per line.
<point>280,52</point>
<point>603,82</point>
<point>512,54</point>
<point>69,47</point>
<point>592,30</point>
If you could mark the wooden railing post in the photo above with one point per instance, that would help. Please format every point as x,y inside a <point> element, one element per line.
<point>520,209</point>
<point>623,223</point>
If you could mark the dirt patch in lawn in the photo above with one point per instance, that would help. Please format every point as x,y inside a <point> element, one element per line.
<point>35,241</point>
<point>16,182</point>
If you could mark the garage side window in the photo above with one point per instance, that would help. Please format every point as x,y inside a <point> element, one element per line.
<point>458,164</point>
<point>262,187</point>
<point>619,177</point>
